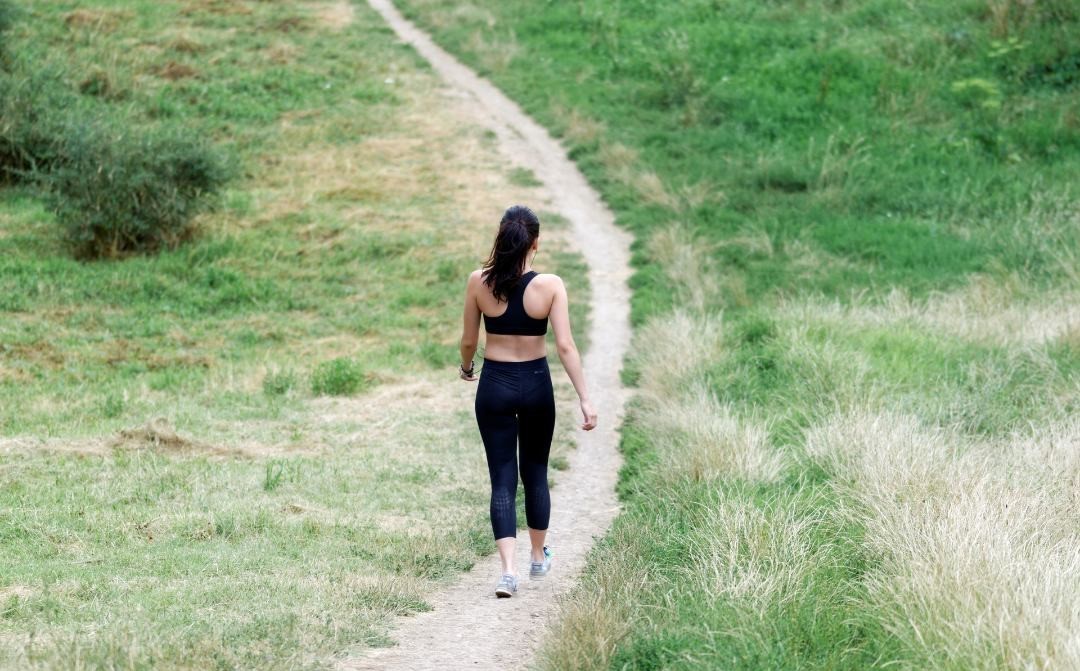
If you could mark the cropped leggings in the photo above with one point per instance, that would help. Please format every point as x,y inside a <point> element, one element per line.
<point>515,410</point>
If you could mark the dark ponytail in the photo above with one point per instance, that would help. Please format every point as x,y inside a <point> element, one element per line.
<point>517,231</point>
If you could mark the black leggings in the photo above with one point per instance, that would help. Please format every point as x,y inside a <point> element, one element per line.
<point>515,407</point>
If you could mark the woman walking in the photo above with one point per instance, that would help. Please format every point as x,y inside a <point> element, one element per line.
<point>515,406</point>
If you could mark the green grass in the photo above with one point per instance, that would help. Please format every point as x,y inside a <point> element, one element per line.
<point>250,451</point>
<point>202,562</point>
<point>271,273</point>
<point>832,126</point>
<point>692,629</point>
<point>245,289</point>
<point>337,377</point>
<point>817,157</point>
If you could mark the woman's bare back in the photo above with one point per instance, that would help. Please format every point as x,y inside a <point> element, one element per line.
<point>537,301</point>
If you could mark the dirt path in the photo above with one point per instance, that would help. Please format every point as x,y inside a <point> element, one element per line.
<point>469,627</point>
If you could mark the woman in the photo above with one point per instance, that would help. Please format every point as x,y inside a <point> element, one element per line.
<point>515,406</point>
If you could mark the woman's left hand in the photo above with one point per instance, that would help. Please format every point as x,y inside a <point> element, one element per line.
<point>588,415</point>
<point>467,375</point>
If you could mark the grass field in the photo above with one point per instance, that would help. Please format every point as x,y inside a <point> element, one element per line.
<point>253,450</point>
<point>858,341</point>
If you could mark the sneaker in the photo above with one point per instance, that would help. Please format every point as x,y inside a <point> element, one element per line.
<point>539,569</point>
<point>506,587</point>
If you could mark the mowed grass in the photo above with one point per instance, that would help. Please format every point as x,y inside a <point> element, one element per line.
<point>253,450</point>
<point>857,355</point>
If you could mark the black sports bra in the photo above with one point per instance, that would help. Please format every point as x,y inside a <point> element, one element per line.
<point>514,320</point>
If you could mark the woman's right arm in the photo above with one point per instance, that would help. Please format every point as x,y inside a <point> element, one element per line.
<point>470,332</point>
<point>568,352</point>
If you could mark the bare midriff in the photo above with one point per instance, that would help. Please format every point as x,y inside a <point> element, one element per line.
<point>502,347</point>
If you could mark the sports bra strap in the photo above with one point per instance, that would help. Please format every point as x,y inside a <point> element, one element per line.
<point>514,320</point>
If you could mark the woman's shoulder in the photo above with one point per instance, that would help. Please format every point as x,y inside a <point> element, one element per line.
<point>549,282</point>
<point>548,278</point>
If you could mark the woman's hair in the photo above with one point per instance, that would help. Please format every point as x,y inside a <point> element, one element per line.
<point>517,231</point>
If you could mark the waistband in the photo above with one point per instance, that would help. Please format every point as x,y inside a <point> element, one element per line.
<point>533,364</point>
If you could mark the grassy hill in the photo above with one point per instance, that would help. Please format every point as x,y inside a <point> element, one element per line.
<point>251,450</point>
<point>858,346</point>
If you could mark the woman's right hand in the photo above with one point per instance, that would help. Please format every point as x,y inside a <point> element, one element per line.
<point>588,415</point>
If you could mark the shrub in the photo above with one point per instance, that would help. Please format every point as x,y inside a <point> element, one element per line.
<point>30,122</point>
<point>337,377</point>
<point>118,190</point>
<point>7,17</point>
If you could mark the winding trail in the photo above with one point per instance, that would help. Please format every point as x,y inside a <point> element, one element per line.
<point>468,627</point>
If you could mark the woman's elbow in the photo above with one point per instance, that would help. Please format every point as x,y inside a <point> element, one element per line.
<point>565,347</point>
<point>468,341</point>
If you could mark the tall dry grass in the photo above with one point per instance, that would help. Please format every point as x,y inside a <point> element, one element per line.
<point>971,545</point>
<point>696,438</point>
<point>986,311</point>
<point>690,269</point>
<point>753,555</point>
<point>592,622</point>
<point>700,438</point>
<point>976,543</point>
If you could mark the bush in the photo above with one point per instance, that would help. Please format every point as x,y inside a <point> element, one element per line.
<point>117,190</point>
<point>30,122</point>
<point>337,377</point>
<point>7,17</point>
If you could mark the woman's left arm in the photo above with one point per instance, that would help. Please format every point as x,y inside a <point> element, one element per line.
<point>470,334</point>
